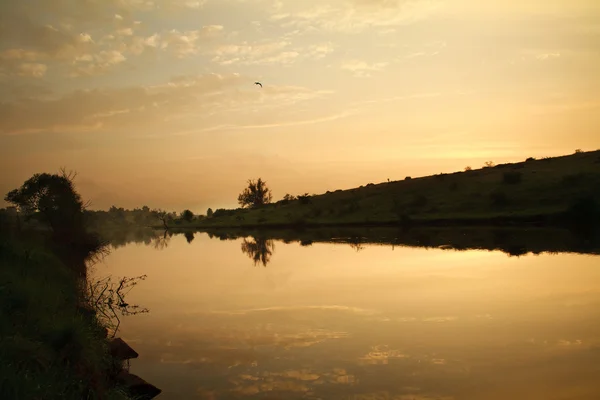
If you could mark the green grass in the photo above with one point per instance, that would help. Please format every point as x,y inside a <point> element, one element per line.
<point>535,190</point>
<point>48,348</point>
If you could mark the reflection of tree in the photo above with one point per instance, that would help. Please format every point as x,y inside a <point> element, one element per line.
<point>356,244</point>
<point>259,249</point>
<point>162,242</point>
<point>189,236</point>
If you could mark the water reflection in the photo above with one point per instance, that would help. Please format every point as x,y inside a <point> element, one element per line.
<point>189,236</point>
<point>258,249</point>
<point>259,246</point>
<point>325,321</point>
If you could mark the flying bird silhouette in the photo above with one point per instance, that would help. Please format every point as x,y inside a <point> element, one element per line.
<point>258,83</point>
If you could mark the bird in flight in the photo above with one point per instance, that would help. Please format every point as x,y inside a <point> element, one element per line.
<point>258,83</point>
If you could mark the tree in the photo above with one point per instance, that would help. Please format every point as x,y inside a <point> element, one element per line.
<point>187,215</point>
<point>52,199</point>
<point>256,194</point>
<point>289,197</point>
<point>468,168</point>
<point>209,212</point>
<point>488,164</point>
<point>162,215</point>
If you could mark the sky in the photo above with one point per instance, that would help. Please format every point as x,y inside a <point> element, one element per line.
<point>153,102</point>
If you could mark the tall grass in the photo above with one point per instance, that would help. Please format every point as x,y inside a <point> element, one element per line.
<point>48,348</point>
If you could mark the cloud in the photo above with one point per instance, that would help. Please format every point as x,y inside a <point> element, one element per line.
<point>163,108</point>
<point>362,68</point>
<point>88,64</point>
<point>62,31</point>
<point>122,108</point>
<point>35,70</point>
<point>265,52</point>
<point>547,56</point>
<point>352,16</point>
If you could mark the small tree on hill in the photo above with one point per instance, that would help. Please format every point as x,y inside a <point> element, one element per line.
<point>187,215</point>
<point>209,212</point>
<point>256,194</point>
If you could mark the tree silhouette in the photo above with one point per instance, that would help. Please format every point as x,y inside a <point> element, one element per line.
<point>163,216</point>
<point>209,212</point>
<point>256,194</point>
<point>52,199</point>
<point>187,215</point>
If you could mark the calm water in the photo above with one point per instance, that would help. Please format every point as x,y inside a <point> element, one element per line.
<point>333,321</point>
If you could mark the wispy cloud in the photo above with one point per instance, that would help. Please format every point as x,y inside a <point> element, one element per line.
<point>352,16</point>
<point>363,69</point>
<point>233,127</point>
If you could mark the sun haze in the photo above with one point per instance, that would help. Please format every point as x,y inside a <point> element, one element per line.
<point>154,101</point>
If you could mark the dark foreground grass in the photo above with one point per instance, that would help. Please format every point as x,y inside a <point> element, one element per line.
<point>48,348</point>
<point>535,191</point>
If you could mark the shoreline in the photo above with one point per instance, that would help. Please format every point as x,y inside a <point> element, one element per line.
<point>558,220</point>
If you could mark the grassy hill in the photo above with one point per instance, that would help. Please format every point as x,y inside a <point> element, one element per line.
<point>528,191</point>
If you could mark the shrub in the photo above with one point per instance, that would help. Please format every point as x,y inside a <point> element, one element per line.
<point>512,178</point>
<point>408,178</point>
<point>304,199</point>
<point>577,151</point>
<point>187,215</point>
<point>488,164</point>
<point>498,199</point>
<point>530,159</point>
<point>370,184</point>
<point>467,169</point>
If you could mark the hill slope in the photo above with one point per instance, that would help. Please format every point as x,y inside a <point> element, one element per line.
<point>526,191</point>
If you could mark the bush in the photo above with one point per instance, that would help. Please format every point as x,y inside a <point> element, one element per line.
<point>488,164</point>
<point>304,199</point>
<point>187,215</point>
<point>578,151</point>
<point>498,199</point>
<point>408,178</point>
<point>221,212</point>
<point>530,159</point>
<point>512,178</point>
<point>467,169</point>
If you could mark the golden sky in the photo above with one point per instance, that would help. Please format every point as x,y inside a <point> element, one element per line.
<point>153,101</point>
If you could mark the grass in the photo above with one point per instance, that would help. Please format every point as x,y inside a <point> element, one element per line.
<point>533,191</point>
<point>48,347</point>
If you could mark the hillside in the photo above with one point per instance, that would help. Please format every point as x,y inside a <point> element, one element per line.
<point>528,191</point>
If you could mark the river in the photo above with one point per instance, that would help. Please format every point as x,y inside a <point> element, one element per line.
<point>265,319</point>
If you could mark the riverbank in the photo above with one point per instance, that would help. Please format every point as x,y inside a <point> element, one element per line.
<point>52,345</point>
<point>551,191</point>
